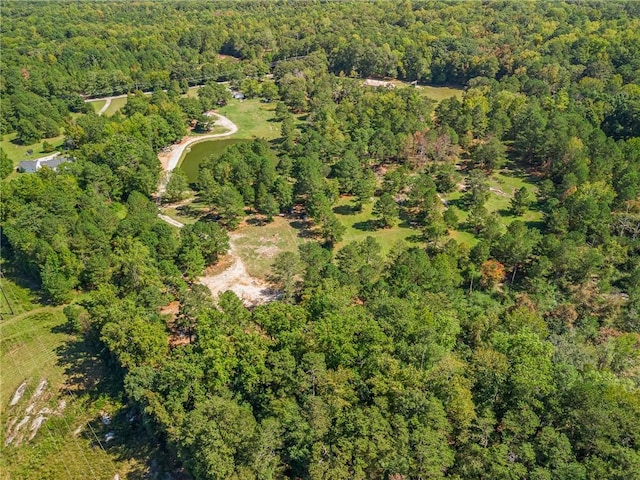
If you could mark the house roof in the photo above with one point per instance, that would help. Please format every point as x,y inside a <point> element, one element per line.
<point>51,161</point>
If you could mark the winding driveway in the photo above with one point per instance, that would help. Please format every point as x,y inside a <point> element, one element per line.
<point>107,101</point>
<point>178,149</point>
<point>169,163</point>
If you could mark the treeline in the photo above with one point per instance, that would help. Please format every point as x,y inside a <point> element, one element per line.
<point>388,368</point>
<point>99,49</point>
<point>92,223</point>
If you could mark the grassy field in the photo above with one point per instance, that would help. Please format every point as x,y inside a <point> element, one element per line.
<point>503,186</point>
<point>17,152</point>
<point>182,213</point>
<point>115,105</point>
<point>258,245</point>
<point>192,92</point>
<point>440,93</point>
<point>97,105</point>
<point>34,347</point>
<point>254,118</point>
<point>359,226</point>
<point>434,93</point>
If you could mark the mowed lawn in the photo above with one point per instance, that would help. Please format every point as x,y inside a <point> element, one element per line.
<point>115,105</point>
<point>34,347</point>
<point>17,152</point>
<point>97,105</point>
<point>254,118</point>
<point>440,93</point>
<point>360,225</point>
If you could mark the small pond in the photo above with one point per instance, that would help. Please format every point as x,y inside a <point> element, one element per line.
<point>190,164</point>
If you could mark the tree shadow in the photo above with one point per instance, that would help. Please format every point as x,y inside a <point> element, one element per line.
<point>259,222</point>
<point>87,371</point>
<point>366,226</point>
<point>415,238</point>
<point>537,224</point>
<point>458,203</point>
<point>345,210</point>
<point>304,228</point>
<point>11,270</point>
<point>96,380</point>
<point>189,210</point>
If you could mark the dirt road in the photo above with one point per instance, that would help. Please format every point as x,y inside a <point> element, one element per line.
<point>251,290</point>
<point>170,161</point>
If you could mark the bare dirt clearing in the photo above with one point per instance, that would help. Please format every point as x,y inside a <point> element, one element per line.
<point>251,290</point>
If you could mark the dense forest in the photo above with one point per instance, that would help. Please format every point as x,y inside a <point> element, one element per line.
<point>513,356</point>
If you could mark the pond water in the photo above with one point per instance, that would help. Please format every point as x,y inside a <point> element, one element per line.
<point>190,164</point>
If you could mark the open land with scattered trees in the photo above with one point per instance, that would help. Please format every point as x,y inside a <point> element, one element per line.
<point>320,240</point>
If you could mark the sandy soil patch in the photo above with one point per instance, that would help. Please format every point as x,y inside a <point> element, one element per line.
<point>498,192</point>
<point>235,277</point>
<point>372,82</point>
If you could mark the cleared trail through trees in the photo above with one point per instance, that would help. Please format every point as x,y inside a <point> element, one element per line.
<point>251,290</point>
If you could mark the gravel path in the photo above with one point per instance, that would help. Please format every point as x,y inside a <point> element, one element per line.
<point>176,153</point>
<point>105,106</point>
<point>170,220</point>
<point>107,101</point>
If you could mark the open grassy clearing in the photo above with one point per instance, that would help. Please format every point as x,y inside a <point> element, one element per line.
<point>257,245</point>
<point>115,105</point>
<point>254,118</point>
<point>434,93</point>
<point>439,93</point>
<point>186,214</point>
<point>97,104</point>
<point>503,186</point>
<point>192,92</point>
<point>360,225</point>
<point>64,381</point>
<point>17,152</point>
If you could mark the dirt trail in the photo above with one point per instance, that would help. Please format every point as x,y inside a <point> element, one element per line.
<point>170,221</point>
<point>251,290</point>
